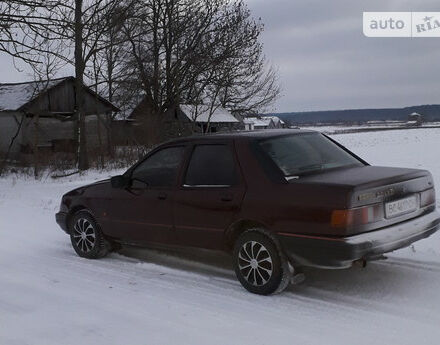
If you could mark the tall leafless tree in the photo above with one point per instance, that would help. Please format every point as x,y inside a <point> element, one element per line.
<point>77,26</point>
<point>202,52</point>
<point>197,52</point>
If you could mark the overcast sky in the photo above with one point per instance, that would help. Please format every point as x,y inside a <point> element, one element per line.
<point>325,62</point>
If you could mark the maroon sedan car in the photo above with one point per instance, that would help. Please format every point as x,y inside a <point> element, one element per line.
<point>277,199</point>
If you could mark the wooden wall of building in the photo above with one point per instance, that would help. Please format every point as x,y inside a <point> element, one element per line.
<point>61,99</point>
<point>51,135</point>
<point>9,123</point>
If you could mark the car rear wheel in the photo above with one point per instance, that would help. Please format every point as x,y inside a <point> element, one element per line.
<point>86,236</point>
<point>260,265</point>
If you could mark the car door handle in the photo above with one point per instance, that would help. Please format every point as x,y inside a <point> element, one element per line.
<point>226,198</point>
<point>162,196</point>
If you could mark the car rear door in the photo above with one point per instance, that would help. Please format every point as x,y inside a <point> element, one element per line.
<point>143,211</point>
<point>210,194</point>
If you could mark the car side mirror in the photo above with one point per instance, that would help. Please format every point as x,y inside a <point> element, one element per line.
<point>120,181</point>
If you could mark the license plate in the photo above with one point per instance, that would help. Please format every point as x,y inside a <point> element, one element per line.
<point>402,206</point>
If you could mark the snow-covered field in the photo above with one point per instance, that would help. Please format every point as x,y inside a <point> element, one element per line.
<point>48,295</point>
<point>376,125</point>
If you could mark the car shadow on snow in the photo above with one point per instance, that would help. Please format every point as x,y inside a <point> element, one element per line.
<point>193,260</point>
<point>379,281</point>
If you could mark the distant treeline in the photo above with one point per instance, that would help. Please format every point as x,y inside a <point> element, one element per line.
<point>429,112</point>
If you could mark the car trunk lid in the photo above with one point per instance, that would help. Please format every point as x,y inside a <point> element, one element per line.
<point>385,187</point>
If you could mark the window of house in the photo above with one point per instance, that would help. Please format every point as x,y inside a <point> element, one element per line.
<point>160,169</point>
<point>211,165</point>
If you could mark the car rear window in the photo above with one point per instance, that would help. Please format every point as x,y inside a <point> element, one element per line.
<point>299,154</point>
<point>211,165</point>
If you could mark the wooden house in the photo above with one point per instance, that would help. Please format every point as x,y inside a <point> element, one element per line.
<point>39,116</point>
<point>182,120</point>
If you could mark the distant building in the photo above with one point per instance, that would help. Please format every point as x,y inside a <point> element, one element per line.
<point>248,124</point>
<point>178,121</point>
<point>217,120</point>
<point>414,119</point>
<point>277,122</point>
<point>39,116</point>
<point>263,122</point>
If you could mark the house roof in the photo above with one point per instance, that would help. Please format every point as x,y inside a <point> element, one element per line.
<point>248,120</point>
<point>201,114</point>
<point>275,119</point>
<point>258,122</point>
<point>263,121</point>
<point>15,96</point>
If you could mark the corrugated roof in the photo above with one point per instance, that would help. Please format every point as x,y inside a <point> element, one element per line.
<point>14,96</point>
<point>201,114</point>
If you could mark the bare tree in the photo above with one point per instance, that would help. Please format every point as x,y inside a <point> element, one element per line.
<point>166,52</point>
<point>107,72</point>
<point>77,27</point>
<point>203,52</point>
<point>240,79</point>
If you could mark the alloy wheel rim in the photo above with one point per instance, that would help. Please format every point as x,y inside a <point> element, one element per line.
<point>84,235</point>
<point>255,263</point>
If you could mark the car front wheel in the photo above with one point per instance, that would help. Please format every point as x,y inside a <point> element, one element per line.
<point>86,236</point>
<point>260,265</point>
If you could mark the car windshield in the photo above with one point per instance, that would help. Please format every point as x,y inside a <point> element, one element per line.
<point>300,154</point>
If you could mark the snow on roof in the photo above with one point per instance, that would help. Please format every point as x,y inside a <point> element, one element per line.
<point>276,120</point>
<point>415,114</point>
<point>258,122</point>
<point>263,121</point>
<point>201,114</point>
<point>14,96</point>
<point>248,120</point>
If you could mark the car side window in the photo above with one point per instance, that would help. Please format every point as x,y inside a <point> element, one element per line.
<point>160,169</point>
<point>211,165</point>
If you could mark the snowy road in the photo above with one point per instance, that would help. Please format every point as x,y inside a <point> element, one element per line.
<point>48,295</point>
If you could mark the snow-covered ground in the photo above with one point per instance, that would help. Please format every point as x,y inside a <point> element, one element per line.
<point>48,295</point>
<point>375,125</point>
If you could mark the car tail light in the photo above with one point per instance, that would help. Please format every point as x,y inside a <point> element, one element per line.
<point>427,197</point>
<point>357,216</point>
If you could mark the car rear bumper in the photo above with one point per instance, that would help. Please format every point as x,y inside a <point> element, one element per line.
<point>61,219</point>
<point>331,252</point>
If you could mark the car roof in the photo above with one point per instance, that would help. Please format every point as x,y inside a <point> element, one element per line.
<point>256,134</point>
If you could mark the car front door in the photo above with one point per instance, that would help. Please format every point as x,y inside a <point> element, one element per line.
<point>209,196</point>
<point>142,212</point>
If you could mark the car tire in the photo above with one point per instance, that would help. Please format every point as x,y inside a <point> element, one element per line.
<point>86,236</point>
<point>260,265</point>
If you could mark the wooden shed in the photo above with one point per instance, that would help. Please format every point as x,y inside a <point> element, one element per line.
<point>176,121</point>
<point>39,116</point>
